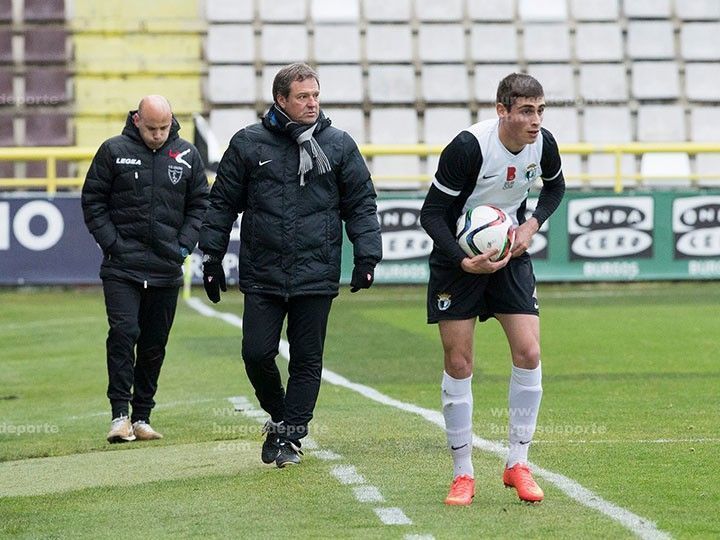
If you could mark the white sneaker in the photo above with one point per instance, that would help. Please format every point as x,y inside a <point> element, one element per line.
<point>121,430</point>
<point>143,431</point>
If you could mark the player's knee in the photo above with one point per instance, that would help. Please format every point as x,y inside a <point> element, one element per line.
<point>527,357</point>
<point>458,366</point>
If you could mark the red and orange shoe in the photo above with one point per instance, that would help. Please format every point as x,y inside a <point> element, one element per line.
<point>462,491</point>
<point>520,478</point>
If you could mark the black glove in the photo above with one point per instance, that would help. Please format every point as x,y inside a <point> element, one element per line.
<point>213,277</point>
<point>362,277</point>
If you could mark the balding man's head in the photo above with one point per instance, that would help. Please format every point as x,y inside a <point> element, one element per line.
<point>153,119</point>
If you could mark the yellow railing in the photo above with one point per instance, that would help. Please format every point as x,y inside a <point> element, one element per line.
<point>52,154</point>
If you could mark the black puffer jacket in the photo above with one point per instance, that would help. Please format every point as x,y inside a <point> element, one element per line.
<point>291,234</point>
<point>142,205</point>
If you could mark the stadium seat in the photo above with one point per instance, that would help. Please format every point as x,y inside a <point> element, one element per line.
<point>393,125</point>
<point>44,10</point>
<point>38,169</point>
<point>571,165</point>
<point>654,166</point>
<point>563,123</point>
<point>598,42</point>
<point>282,11</point>
<point>391,84</point>
<point>603,83</point>
<point>442,124</point>
<point>332,11</point>
<point>701,81</point>
<point>694,10</point>
<point>50,45</point>
<point>230,43</point>
<point>229,10</point>
<point>704,122</point>
<point>491,10</point>
<point>548,10</point>
<point>384,11</point>
<point>546,42</point>
<point>283,43</point>
<point>487,78</point>
<point>445,83</point>
<point>603,124</point>
<point>708,164</point>
<point>231,84</point>
<point>441,43</point>
<point>6,47</point>
<point>432,10</point>
<point>341,83</point>
<point>557,80</point>
<point>6,11</point>
<point>224,123</point>
<point>338,43</point>
<point>655,80</point>
<point>604,165</point>
<point>350,120</point>
<point>598,10</point>
<point>647,9</point>
<point>7,93</point>
<point>661,123</point>
<point>699,41</point>
<point>47,129</point>
<point>7,131</point>
<point>650,40</point>
<point>388,43</point>
<point>493,43</point>
<point>46,86</point>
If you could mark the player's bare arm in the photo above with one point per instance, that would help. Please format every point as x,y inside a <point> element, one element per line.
<point>523,236</point>
<point>481,264</point>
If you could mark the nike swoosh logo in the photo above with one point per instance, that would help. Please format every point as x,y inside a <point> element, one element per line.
<point>261,163</point>
<point>458,447</point>
<point>486,176</point>
<point>523,442</point>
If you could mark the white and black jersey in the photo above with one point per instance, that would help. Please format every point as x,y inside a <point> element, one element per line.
<point>476,168</point>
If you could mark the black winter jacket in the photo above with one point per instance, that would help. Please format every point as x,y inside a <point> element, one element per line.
<point>291,235</point>
<point>142,205</point>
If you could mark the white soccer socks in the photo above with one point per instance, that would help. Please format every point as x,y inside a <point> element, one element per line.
<point>523,406</point>
<point>457,405</point>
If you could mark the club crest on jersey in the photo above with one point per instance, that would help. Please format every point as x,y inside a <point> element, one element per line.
<point>531,172</point>
<point>510,178</point>
<point>175,173</point>
<point>443,301</point>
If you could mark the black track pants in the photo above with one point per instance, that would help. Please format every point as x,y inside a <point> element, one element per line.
<point>307,318</point>
<point>140,320</point>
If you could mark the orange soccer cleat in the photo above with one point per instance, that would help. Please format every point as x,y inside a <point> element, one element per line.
<point>521,479</point>
<point>462,491</point>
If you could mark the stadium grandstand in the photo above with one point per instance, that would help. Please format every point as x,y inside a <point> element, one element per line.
<point>393,72</point>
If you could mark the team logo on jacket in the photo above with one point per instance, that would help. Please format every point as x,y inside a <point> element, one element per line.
<point>510,178</point>
<point>178,156</point>
<point>443,301</point>
<point>175,173</point>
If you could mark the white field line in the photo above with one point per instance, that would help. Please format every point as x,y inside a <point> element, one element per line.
<point>641,527</point>
<point>345,474</point>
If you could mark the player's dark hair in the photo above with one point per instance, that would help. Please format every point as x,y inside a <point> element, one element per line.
<point>518,85</point>
<point>298,71</point>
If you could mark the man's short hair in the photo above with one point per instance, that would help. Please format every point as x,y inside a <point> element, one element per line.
<point>518,85</point>
<point>298,71</point>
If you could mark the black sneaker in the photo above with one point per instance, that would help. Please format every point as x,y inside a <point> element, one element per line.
<point>289,453</point>
<point>271,446</point>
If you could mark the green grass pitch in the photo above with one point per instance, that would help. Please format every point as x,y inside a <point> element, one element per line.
<point>630,413</point>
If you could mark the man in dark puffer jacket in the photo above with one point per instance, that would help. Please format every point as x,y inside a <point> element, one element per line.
<point>143,200</point>
<point>296,180</point>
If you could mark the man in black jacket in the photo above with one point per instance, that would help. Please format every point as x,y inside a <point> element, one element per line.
<point>295,179</point>
<point>143,201</point>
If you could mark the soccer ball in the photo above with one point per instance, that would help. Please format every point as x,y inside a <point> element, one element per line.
<point>485,228</point>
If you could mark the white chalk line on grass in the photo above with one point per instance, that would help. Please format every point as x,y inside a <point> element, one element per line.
<point>345,474</point>
<point>641,527</point>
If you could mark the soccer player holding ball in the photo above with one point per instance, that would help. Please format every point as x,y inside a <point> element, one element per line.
<point>493,162</point>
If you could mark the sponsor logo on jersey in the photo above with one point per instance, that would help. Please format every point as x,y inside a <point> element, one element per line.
<point>175,173</point>
<point>510,178</point>
<point>178,156</point>
<point>128,161</point>
<point>443,301</point>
